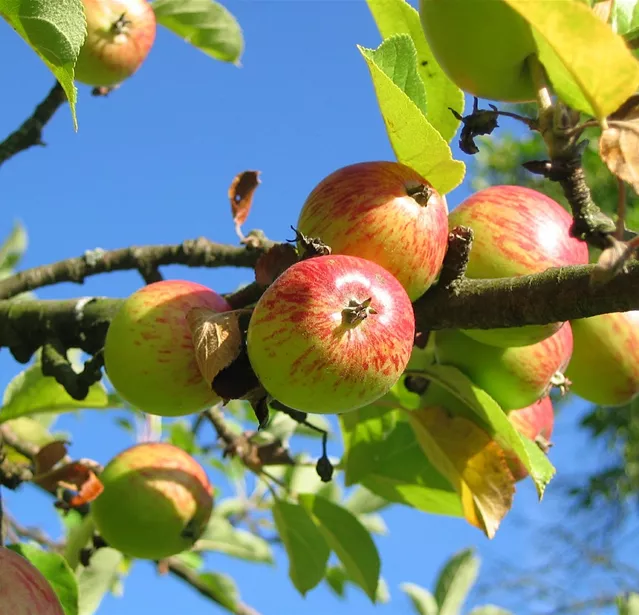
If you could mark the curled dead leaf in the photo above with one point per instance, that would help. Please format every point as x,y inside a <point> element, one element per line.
<point>241,196</point>
<point>49,455</point>
<point>471,460</point>
<point>274,262</point>
<point>217,340</point>
<point>619,144</point>
<point>603,9</point>
<point>76,476</point>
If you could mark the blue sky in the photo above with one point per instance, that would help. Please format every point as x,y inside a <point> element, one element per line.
<point>152,164</point>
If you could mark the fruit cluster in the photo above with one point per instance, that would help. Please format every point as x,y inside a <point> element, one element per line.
<point>334,332</point>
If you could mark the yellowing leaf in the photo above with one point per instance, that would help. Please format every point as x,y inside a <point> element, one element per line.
<point>589,66</point>
<point>471,460</point>
<point>217,340</point>
<point>414,140</point>
<point>619,146</point>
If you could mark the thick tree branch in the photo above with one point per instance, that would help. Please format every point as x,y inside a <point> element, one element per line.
<point>30,133</point>
<point>193,253</point>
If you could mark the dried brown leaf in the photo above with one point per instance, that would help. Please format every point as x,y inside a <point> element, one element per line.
<point>49,455</point>
<point>274,262</point>
<point>75,475</point>
<point>619,145</point>
<point>217,339</point>
<point>241,196</point>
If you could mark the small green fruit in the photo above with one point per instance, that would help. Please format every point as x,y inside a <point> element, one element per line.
<point>156,502</point>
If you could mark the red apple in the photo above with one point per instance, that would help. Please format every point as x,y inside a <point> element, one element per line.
<point>536,423</point>
<point>156,502</point>
<point>518,231</point>
<point>148,351</point>
<point>514,377</point>
<point>120,34</point>
<point>384,212</point>
<point>331,334</point>
<point>23,588</point>
<point>605,363</point>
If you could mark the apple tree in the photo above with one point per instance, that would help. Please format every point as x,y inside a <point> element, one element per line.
<point>438,335</point>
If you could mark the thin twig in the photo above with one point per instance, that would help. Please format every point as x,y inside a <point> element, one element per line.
<point>30,133</point>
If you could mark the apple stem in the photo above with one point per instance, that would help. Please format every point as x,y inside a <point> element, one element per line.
<point>357,311</point>
<point>420,192</point>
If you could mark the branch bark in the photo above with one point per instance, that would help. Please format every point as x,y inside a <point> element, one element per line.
<point>193,253</point>
<point>30,133</point>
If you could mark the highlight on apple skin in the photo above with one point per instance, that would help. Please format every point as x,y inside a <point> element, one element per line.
<point>384,212</point>
<point>604,368</point>
<point>23,588</point>
<point>482,46</point>
<point>536,423</point>
<point>331,334</point>
<point>514,377</point>
<point>517,231</point>
<point>157,501</point>
<point>149,355</point>
<point>120,34</point>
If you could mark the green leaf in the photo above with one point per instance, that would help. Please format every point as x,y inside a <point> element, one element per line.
<point>221,536</point>
<point>337,579</point>
<point>31,393</point>
<point>304,479</point>
<point>375,524</point>
<point>494,420</point>
<point>55,31</point>
<point>385,457</point>
<point>224,588</point>
<point>415,141</point>
<point>205,24</point>
<point>589,66</point>
<point>191,559</point>
<point>348,538</point>
<point>13,249</point>
<point>363,501</point>
<point>399,17</point>
<point>455,581</point>
<point>625,18</point>
<point>182,436</point>
<point>628,605</point>
<point>422,600</point>
<point>305,545</point>
<point>97,579</point>
<point>56,570</point>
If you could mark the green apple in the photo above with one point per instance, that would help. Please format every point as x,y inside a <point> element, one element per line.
<point>384,212</point>
<point>156,502</point>
<point>517,231</point>
<point>331,334</point>
<point>148,352</point>
<point>120,34</point>
<point>604,368</point>
<point>513,377</point>
<point>482,45</point>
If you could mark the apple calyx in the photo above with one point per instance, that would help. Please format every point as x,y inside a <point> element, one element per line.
<point>121,24</point>
<point>357,311</point>
<point>421,193</point>
<point>560,381</point>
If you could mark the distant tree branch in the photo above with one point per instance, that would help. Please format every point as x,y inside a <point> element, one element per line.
<point>193,253</point>
<point>30,133</point>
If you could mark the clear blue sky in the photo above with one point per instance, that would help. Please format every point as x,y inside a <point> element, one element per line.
<point>152,164</point>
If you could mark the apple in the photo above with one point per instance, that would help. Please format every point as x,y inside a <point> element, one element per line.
<point>384,212</point>
<point>517,231</point>
<point>604,368</point>
<point>331,334</point>
<point>481,46</point>
<point>156,502</point>
<point>514,377</point>
<point>120,34</point>
<point>23,588</point>
<point>535,422</point>
<point>148,352</point>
